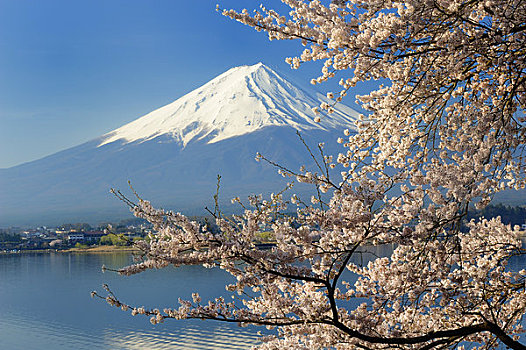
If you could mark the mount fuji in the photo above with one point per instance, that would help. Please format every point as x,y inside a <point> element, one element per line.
<point>173,154</point>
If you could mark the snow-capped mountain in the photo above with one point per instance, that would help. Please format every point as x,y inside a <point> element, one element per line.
<point>173,154</point>
<point>240,101</point>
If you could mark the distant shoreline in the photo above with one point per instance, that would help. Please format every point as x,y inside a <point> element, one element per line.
<point>102,249</point>
<point>89,250</point>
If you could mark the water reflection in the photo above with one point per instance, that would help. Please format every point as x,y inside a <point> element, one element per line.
<point>45,304</point>
<point>186,338</point>
<point>24,333</point>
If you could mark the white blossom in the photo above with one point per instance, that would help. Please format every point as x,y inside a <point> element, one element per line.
<point>447,131</point>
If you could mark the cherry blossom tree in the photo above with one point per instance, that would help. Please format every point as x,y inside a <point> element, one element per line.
<point>445,132</point>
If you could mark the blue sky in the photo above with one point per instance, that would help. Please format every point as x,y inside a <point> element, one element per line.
<point>72,70</point>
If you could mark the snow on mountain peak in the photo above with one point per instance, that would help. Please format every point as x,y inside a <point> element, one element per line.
<point>239,101</point>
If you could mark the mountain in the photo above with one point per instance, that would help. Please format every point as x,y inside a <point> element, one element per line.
<point>173,154</point>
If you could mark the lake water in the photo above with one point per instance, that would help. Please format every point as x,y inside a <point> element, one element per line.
<point>45,303</point>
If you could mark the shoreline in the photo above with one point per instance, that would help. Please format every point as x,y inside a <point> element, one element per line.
<point>89,250</point>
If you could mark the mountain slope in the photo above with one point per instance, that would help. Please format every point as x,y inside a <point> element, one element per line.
<point>239,101</point>
<point>172,155</point>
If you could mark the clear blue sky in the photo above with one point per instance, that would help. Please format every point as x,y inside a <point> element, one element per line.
<point>71,70</point>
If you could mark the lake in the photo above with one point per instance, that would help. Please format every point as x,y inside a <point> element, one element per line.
<point>45,303</point>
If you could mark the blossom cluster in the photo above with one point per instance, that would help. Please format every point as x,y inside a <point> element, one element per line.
<point>446,133</point>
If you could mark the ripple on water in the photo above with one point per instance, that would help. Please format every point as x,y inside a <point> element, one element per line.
<point>22,332</point>
<point>183,338</point>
